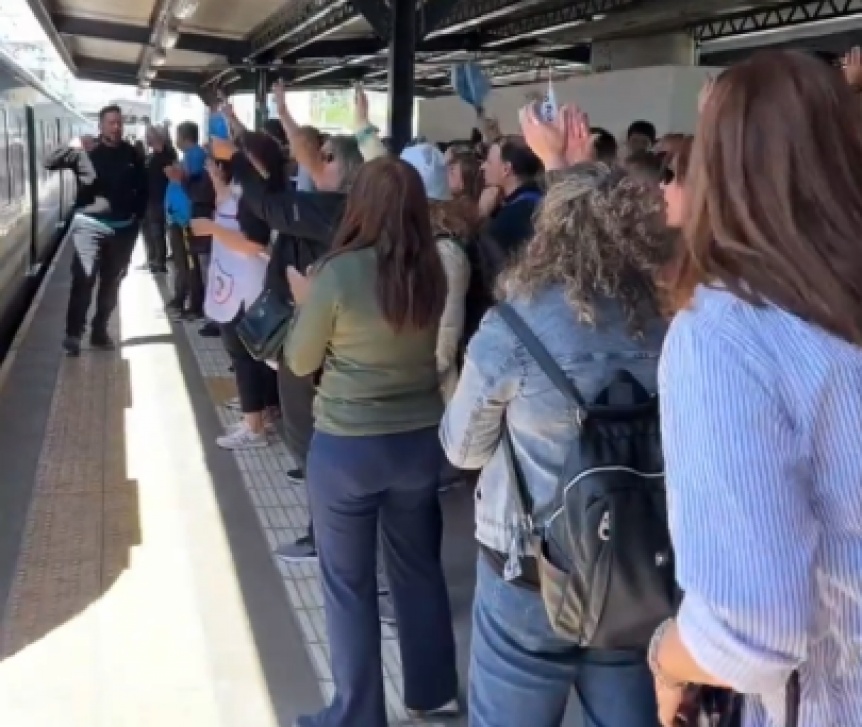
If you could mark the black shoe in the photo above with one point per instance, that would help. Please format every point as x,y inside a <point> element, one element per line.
<point>102,341</point>
<point>210,330</point>
<point>191,315</point>
<point>295,476</point>
<point>301,551</point>
<point>72,346</point>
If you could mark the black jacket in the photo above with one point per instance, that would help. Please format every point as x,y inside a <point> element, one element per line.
<point>77,161</point>
<point>112,181</point>
<point>306,222</point>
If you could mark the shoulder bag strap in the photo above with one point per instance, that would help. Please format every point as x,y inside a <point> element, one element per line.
<point>552,370</point>
<point>542,357</point>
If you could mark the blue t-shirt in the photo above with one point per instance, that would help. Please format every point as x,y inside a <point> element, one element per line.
<point>178,205</point>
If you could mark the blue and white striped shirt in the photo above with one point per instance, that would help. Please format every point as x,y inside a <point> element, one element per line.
<point>762,427</point>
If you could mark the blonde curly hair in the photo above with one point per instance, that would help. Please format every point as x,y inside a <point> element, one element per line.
<point>599,234</point>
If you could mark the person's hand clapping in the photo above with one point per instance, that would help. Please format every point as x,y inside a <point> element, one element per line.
<point>174,172</point>
<point>360,107</point>
<point>580,143</point>
<point>201,226</point>
<point>279,91</point>
<point>222,149</point>
<point>547,139</point>
<point>852,66</point>
<point>299,285</point>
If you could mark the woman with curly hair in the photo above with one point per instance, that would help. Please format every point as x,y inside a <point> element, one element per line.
<point>585,286</point>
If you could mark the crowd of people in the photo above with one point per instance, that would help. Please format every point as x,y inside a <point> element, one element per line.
<point>460,314</point>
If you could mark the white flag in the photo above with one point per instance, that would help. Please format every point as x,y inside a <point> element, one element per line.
<point>549,103</point>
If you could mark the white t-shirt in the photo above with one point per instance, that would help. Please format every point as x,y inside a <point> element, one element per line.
<point>235,280</point>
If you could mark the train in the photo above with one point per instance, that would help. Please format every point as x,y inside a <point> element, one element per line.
<point>35,205</point>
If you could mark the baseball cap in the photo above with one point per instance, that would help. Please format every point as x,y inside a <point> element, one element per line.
<point>429,161</point>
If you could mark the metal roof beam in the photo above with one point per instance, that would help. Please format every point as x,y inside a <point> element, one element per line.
<point>562,17</point>
<point>127,73</point>
<point>471,13</point>
<point>378,14</point>
<point>344,47</point>
<point>630,18</point>
<point>304,20</point>
<point>778,18</point>
<point>140,34</point>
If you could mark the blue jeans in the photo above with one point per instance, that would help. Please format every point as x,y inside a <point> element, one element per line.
<point>354,485</point>
<point>522,673</point>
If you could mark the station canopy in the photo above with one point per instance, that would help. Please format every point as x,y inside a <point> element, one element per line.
<point>191,45</point>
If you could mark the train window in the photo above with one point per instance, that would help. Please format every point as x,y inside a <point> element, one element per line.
<point>18,156</point>
<point>5,175</point>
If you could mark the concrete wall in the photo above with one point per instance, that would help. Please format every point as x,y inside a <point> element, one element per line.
<point>664,95</point>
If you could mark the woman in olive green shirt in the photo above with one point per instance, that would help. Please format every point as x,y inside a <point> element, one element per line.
<point>368,317</point>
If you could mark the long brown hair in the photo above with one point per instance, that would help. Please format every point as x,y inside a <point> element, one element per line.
<point>471,172</point>
<point>775,192</point>
<point>457,218</point>
<point>387,209</point>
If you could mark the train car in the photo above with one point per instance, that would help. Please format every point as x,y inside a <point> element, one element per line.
<point>35,206</point>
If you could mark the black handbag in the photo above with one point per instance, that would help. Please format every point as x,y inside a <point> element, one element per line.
<point>714,707</point>
<point>264,327</point>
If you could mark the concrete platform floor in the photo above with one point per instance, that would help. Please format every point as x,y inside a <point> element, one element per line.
<point>137,585</point>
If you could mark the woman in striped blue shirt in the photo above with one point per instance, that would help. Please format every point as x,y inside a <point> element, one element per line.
<point>761,387</point>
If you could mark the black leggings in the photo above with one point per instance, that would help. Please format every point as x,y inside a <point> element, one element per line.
<point>256,382</point>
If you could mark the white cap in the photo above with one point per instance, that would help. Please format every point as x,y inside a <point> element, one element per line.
<point>429,161</point>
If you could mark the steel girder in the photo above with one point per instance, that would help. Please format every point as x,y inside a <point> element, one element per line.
<point>472,13</point>
<point>783,16</point>
<point>140,35</point>
<point>98,69</point>
<point>378,14</point>
<point>299,23</point>
<point>564,14</point>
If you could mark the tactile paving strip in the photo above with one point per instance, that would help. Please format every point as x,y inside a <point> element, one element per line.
<point>283,513</point>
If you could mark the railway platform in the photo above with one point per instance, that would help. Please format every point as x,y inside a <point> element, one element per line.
<point>137,585</point>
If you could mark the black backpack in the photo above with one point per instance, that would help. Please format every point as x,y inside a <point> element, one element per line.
<point>603,547</point>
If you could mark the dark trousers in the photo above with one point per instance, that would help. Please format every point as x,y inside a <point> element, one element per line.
<point>188,272</point>
<point>255,381</point>
<point>102,254</point>
<point>296,397</point>
<point>155,232</point>
<point>355,485</point>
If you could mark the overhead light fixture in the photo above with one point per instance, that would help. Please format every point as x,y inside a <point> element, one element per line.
<point>150,74</point>
<point>184,9</point>
<point>170,37</point>
<point>159,58</point>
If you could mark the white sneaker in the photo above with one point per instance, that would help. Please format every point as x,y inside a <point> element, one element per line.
<point>241,437</point>
<point>450,709</point>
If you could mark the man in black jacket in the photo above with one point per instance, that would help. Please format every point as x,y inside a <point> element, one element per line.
<point>112,198</point>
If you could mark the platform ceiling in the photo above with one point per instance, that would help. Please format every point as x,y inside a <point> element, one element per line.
<point>331,43</point>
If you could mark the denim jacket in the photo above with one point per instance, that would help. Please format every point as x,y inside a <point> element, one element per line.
<point>500,380</point>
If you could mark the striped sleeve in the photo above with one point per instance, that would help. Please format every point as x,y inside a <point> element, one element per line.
<point>741,520</point>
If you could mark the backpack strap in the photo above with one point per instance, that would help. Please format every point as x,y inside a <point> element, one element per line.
<point>543,357</point>
<point>562,382</point>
